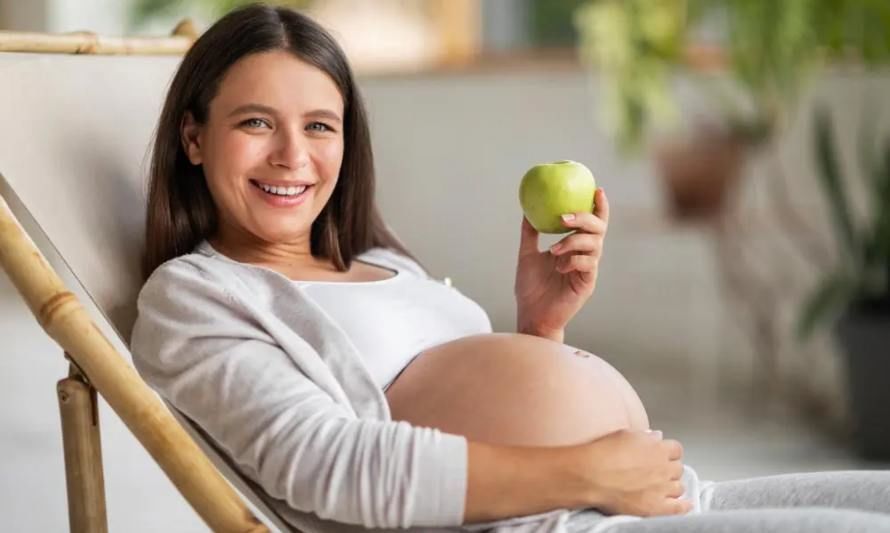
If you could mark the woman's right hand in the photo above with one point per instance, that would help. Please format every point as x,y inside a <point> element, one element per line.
<point>634,473</point>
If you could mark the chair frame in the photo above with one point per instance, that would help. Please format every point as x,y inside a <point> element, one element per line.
<point>85,483</point>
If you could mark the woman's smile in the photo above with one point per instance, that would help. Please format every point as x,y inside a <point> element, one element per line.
<point>281,195</point>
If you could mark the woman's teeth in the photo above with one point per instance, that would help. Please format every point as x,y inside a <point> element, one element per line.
<point>282,191</point>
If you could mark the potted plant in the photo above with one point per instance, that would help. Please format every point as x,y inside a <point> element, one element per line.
<point>855,297</point>
<point>768,48</point>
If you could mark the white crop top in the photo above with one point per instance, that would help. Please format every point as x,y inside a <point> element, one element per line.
<point>392,320</point>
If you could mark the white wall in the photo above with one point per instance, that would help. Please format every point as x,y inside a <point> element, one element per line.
<point>105,17</point>
<point>23,16</point>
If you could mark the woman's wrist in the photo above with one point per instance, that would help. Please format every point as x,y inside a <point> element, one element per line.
<point>557,335</point>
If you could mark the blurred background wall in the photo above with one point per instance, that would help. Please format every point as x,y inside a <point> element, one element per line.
<point>700,294</point>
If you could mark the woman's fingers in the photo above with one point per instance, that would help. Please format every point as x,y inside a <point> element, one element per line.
<point>586,222</point>
<point>674,449</point>
<point>669,506</point>
<point>675,470</point>
<point>601,205</point>
<point>578,242</point>
<point>595,222</point>
<point>576,263</point>
<point>675,489</point>
<point>677,506</point>
<point>528,239</point>
<point>586,242</point>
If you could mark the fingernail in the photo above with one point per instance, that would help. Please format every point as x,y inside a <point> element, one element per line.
<point>555,248</point>
<point>656,433</point>
<point>568,217</point>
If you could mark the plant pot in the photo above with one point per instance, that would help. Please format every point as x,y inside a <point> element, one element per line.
<point>698,172</point>
<point>865,338</point>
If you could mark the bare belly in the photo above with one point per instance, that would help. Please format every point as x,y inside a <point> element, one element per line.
<point>515,389</point>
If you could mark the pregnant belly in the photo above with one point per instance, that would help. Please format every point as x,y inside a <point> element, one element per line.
<point>515,389</point>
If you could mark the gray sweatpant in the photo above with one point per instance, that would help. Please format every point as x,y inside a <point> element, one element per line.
<point>823,502</point>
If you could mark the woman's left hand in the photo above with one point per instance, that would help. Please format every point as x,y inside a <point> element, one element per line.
<point>553,285</point>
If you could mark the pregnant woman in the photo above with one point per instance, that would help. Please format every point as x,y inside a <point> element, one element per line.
<point>282,316</point>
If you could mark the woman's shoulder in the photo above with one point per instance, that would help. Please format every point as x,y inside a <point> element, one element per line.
<point>188,278</point>
<point>183,267</point>
<point>203,261</point>
<point>390,258</point>
<point>193,290</point>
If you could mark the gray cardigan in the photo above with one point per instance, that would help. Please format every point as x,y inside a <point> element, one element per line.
<point>252,359</point>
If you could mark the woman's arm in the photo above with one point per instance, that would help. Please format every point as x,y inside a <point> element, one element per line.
<point>507,481</point>
<point>552,286</point>
<point>626,472</point>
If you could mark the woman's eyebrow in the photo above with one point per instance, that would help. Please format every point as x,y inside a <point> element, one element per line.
<point>252,108</point>
<point>323,113</point>
<point>260,108</point>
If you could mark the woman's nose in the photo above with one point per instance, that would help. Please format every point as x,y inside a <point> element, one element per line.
<point>291,151</point>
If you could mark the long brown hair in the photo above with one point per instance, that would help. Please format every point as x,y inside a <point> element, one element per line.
<point>181,212</point>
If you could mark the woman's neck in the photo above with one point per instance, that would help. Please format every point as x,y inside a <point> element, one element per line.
<point>249,249</point>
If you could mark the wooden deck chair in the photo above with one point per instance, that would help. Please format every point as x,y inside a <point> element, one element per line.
<point>73,145</point>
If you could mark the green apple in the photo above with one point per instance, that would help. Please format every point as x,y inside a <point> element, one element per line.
<point>550,190</point>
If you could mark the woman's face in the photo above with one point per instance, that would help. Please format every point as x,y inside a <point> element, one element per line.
<point>274,122</point>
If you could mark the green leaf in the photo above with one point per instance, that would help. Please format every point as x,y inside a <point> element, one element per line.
<point>832,184</point>
<point>865,143</point>
<point>833,293</point>
<point>145,9</point>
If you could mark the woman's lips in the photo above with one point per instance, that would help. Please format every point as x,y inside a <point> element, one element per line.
<point>276,200</point>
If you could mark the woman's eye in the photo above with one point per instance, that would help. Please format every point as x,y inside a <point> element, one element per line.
<point>255,123</point>
<point>319,126</point>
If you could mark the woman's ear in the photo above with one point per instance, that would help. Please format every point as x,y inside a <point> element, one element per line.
<point>189,134</point>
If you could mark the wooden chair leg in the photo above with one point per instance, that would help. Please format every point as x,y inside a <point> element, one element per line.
<point>83,454</point>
